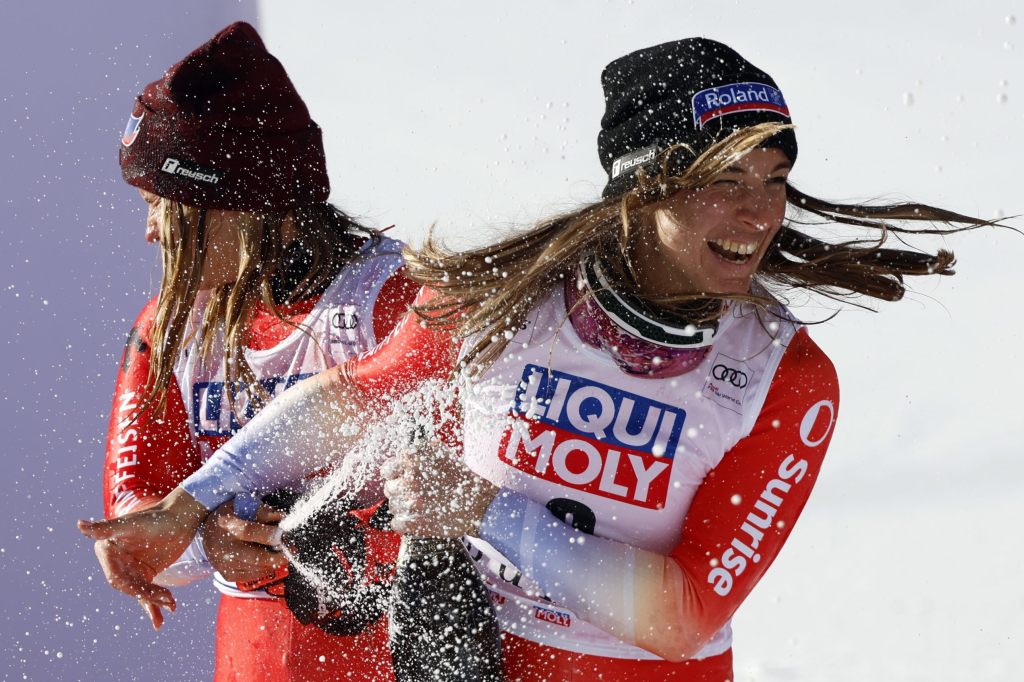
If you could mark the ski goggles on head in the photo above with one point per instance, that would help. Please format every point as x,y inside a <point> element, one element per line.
<point>620,325</point>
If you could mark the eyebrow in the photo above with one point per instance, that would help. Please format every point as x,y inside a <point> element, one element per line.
<point>784,165</point>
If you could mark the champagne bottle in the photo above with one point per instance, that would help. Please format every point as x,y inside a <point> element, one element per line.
<point>442,624</point>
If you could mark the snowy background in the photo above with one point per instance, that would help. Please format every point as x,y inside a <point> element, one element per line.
<point>483,116</point>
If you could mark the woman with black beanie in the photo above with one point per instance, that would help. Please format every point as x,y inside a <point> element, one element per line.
<point>640,417</point>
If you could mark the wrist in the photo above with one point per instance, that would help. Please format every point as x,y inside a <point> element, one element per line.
<point>187,511</point>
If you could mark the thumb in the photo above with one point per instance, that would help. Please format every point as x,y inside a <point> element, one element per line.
<point>99,530</point>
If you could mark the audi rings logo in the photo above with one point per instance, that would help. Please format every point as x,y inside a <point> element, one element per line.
<point>733,376</point>
<point>727,382</point>
<point>346,318</point>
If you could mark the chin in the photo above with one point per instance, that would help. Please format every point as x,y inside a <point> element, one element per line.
<point>733,288</point>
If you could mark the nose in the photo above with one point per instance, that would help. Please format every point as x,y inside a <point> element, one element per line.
<point>152,226</point>
<point>756,207</point>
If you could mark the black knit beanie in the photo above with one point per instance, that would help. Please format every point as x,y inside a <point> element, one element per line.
<point>693,91</point>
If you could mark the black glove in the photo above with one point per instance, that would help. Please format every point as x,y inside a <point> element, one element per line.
<point>343,561</point>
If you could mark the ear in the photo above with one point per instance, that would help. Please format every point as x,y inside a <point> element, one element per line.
<point>289,232</point>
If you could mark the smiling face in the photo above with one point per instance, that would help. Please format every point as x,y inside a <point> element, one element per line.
<point>712,240</point>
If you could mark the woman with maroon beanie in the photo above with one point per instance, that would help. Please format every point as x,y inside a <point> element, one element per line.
<point>264,283</point>
<point>641,418</point>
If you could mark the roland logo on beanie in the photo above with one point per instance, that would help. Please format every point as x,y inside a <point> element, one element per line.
<point>689,93</point>
<point>734,98</point>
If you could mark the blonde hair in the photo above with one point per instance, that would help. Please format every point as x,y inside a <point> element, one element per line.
<point>490,290</point>
<point>331,237</point>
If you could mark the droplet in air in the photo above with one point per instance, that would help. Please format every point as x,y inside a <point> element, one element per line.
<point>1002,98</point>
<point>1011,20</point>
<point>908,99</point>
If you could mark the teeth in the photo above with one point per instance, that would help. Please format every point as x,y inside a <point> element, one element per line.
<point>736,247</point>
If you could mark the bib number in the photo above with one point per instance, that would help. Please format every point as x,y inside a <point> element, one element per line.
<point>576,514</point>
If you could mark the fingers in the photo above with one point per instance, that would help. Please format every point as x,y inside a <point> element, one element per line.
<point>131,528</point>
<point>397,475</point>
<point>401,494</point>
<point>250,562</point>
<point>238,559</point>
<point>405,504</point>
<point>269,515</point>
<point>241,550</point>
<point>424,527</point>
<point>156,616</point>
<point>261,559</point>
<point>393,467</point>
<point>127,574</point>
<point>400,525</point>
<point>98,530</point>
<point>277,538</point>
<point>251,531</point>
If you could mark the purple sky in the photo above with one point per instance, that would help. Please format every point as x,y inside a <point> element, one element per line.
<point>75,271</point>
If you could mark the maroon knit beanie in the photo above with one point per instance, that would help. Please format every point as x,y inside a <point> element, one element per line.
<point>224,128</point>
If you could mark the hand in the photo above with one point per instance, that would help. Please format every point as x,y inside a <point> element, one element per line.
<point>432,493</point>
<point>134,548</point>
<point>240,550</point>
<point>134,578</point>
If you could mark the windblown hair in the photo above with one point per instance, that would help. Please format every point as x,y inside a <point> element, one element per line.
<point>331,239</point>
<point>490,290</point>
